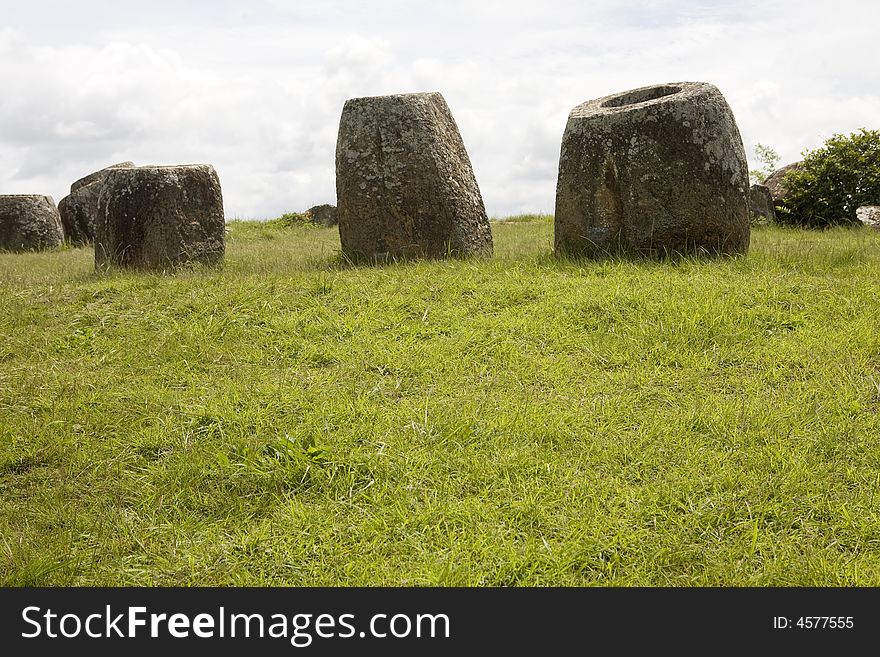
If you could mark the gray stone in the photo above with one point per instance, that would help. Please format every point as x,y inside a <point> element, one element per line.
<point>79,209</point>
<point>655,171</point>
<point>29,222</point>
<point>761,204</point>
<point>325,215</point>
<point>869,215</point>
<point>775,182</point>
<point>160,217</point>
<point>97,175</point>
<point>404,182</point>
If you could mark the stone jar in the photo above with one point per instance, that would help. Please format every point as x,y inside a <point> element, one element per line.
<point>79,209</point>
<point>160,217</point>
<point>29,222</point>
<point>323,215</point>
<point>404,182</point>
<point>761,204</point>
<point>776,182</point>
<point>657,171</point>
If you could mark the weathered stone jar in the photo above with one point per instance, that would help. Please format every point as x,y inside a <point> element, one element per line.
<point>404,182</point>
<point>79,209</point>
<point>160,217</point>
<point>29,222</point>
<point>655,171</point>
<point>777,183</point>
<point>323,215</point>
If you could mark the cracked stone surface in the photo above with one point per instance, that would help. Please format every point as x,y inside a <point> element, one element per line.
<point>761,203</point>
<point>654,171</point>
<point>158,218</point>
<point>29,222</point>
<point>404,182</point>
<point>79,209</point>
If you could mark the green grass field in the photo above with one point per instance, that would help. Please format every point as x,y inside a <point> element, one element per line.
<point>516,421</point>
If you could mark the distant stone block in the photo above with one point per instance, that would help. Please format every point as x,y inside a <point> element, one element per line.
<point>775,182</point>
<point>324,215</point>
<point>761,203</point>
<point>869,215</point>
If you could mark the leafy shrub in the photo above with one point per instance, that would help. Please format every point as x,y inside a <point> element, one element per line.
<point>769,160</point>
<point>289,219</point>
<point>833,182</point>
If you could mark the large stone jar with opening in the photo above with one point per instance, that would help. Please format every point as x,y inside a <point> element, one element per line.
<point>657,171</point>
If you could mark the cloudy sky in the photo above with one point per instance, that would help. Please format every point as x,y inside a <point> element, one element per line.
<point>256,88</point>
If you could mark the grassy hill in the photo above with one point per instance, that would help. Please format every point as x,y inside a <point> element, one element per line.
<point>515,421</point>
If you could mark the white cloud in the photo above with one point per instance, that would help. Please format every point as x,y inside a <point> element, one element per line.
<point>257,90</point>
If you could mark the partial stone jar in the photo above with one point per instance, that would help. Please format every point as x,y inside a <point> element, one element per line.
<point>761,204</point>
<point>656,171</point>
<point>160,217</point>
<point>404,182</point>
<point>323,215</point>
<point>29,222</point>
<point>79,209</point>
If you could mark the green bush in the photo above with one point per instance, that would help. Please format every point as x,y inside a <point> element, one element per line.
<point>834,182</point>
<point>769,160</point>
<point>289,220</point>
